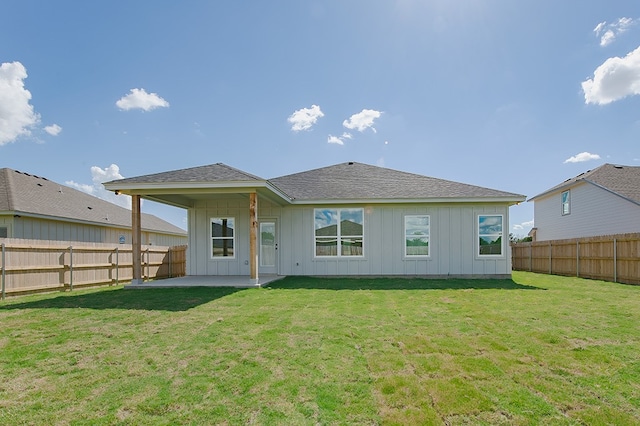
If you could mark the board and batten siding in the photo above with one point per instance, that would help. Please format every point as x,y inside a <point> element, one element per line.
<point>52,230</point>
<point>594,211</point>
<point>453,240</point>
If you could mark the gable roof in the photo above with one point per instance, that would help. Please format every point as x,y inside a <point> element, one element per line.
<point>31,195</point>
<point>345,182</point>
<point>218,172</point>
<point>623,181</point>
<point>357,181</point>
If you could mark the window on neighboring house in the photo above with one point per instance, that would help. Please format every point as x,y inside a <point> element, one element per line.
<point>223,237</point>
<point>3,232</point>
<point>416,235</point>
<point>338,232</point>
<point>490,235</point>
<point>566,202</point>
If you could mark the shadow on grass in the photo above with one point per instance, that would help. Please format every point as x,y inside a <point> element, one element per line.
<point>398,284</point>
<point>165,299</point>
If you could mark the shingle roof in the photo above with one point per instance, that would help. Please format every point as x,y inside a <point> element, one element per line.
<point>31,194</point>
<point>622,180</point>
<point>212,173</point>
<point>353,181</point>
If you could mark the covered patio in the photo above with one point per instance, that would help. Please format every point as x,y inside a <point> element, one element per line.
<point>236,281</point>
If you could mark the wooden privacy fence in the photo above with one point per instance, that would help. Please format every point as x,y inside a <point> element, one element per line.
<point>36,265</point>
<point>610,258</point>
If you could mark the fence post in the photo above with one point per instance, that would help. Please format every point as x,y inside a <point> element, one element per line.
<point>550,259</point>
<point>3,273</point>
<point>148,266</point>
<point>577,258</point>
<point>531,256</point>
<point>170,263</point>
<point>117,265</point>
<point>615,260</point>
<point>70,268</point>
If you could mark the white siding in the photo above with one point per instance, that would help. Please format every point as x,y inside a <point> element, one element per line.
<point>593,211</point>
<point>453,242</point>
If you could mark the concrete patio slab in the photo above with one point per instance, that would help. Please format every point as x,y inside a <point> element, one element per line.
<point>207,281</point>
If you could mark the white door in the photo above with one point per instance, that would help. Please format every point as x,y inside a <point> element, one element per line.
<point>268,256</point>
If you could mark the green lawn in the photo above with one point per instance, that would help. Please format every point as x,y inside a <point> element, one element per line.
<point>536,350</point>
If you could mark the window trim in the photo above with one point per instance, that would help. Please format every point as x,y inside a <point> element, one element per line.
<point>501,234</point>
<point>567,203</point>
<point>428,236</point>
<point>232,238</point>
<point>339,235</point>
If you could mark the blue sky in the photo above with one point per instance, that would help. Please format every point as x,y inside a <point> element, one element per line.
<point>512,95</point>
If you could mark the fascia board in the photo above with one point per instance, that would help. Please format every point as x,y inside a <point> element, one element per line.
<point>507,200</point>
<point>237,187</point>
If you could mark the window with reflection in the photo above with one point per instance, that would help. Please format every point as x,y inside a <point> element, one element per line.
<point>416,235</point>
<point>566,202</point>
<point>338,232</point>
<point>223,237</point>
<point>490,235</point>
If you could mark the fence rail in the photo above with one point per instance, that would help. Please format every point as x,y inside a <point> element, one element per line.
<point>610,258</point>
<point>29,266</point>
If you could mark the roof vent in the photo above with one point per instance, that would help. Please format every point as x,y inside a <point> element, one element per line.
<point>351,163</point>
<point>618,167</point>
<point>90,208</point>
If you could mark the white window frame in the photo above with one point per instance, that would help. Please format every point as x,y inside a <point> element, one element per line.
<point>232,238</point>
<point>566,203</point>
<point>501,234</point>
<point>427,236</point>
<point>339,235</point>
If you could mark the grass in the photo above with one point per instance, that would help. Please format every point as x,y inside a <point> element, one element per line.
<point>535,350</point>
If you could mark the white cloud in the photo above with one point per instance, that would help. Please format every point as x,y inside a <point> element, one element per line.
<point>583,156</point>
<point>522,226</point>
<point>615,79</point>
<point>362,120</point>
<point>98,176</point>
<point>17,116</point>
<point>305,118</point>
<point>53,130</point>
<point>335,139</point>
<point>339,139</point>
<point>140,99</point>
<point>609,32</point>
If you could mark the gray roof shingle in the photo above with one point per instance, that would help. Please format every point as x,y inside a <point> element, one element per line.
<point>622,180</point>
<point>212,173</point>
<point>31,194</point>
<point>353,181</point>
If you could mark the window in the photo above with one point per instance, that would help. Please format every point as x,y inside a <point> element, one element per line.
<point>566,201</point>
<point>223,237</point>
<point>490,235</point>
<point>3,232</point>
<point>416,235</point>
<point>338,232</point>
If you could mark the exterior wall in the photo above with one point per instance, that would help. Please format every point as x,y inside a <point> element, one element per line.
<point>43,229</point>
<point>593,212</point>
<point>453,243</point>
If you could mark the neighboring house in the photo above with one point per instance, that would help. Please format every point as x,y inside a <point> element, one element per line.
<point>602,201</point>
<point>34,207</point>
<point>346,219</point>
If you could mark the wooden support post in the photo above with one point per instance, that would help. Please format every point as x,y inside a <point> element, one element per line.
<point>136,236</point>
<point>253,237</point>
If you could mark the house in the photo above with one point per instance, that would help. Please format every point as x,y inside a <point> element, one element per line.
<point>345,219</point>
<point>602,201</point>
<point>33,207</point>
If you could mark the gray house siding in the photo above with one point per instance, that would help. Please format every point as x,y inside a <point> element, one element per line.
<point>593,211</point>
<point>45,229</point>
<point>453,240</point>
